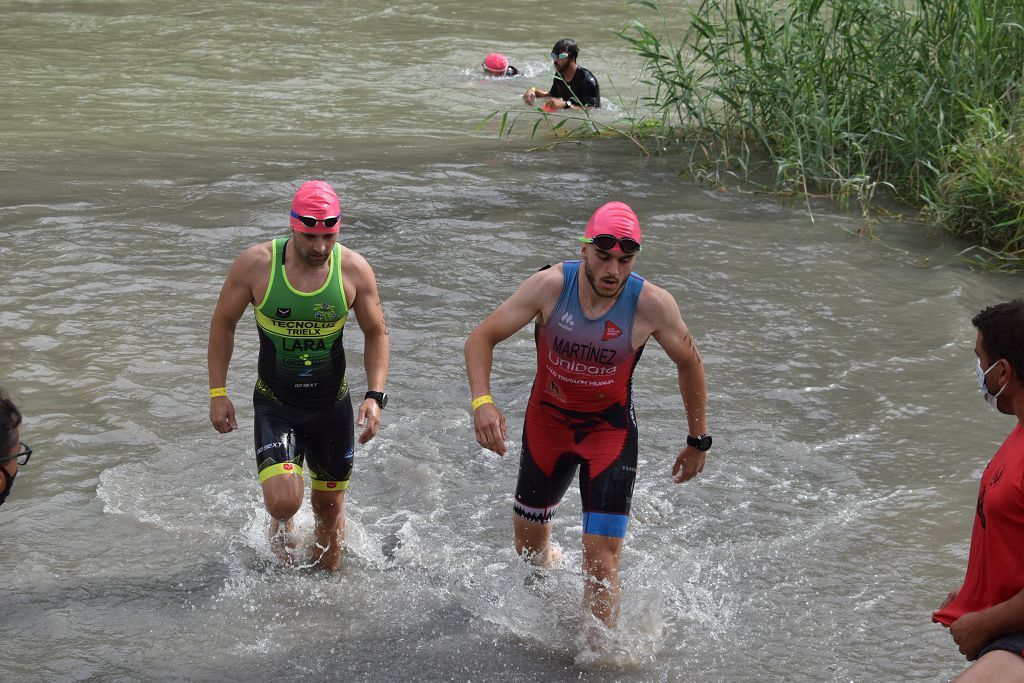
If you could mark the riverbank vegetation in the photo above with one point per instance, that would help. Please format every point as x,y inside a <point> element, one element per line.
<point>921,99</point>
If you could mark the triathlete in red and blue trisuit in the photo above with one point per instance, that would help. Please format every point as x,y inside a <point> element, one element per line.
<point>581,411</point>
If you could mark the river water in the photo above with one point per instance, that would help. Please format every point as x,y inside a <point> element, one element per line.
<point>144,144</point>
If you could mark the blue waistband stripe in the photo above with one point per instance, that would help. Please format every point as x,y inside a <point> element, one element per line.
<point>605,524</point>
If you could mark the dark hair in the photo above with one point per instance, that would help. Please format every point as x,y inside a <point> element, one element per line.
<point>10,419</point>
<point>1002,333</point>
<point>566,45</point>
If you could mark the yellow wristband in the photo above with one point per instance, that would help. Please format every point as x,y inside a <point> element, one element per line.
<point>480,400</point>
<point>219,391</point>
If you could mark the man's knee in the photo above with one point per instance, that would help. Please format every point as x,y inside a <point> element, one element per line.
<point>282,495</point>
<point>601,555</point>
<point>328,507</point>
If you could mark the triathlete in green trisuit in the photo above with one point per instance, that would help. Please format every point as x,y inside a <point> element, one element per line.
<point>302,289</point>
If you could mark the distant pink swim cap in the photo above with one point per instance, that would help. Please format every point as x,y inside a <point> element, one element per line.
<point>614,218</point>
<point>496,63</point>
<point>317,199</point>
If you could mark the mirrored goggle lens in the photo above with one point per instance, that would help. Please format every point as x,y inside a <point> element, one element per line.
<point>559,55</point>
<point>609,242</point>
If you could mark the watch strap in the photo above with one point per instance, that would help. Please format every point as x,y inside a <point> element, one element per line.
<point>701,443</point>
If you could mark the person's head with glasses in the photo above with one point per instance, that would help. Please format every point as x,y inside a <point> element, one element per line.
<point>315,221</point>
<point>610,246</point>
<point>14,452</point>
<point>564,54</point>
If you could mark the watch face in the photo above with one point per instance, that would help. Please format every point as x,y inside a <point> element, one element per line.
<point>379,396</point>
<point>701,443</point>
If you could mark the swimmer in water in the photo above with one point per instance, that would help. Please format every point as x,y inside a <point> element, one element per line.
<point>573,87</point>
<point>496,65</point>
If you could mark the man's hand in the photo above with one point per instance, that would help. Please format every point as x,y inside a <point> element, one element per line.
<point>222,414</point>
<point>970,634</point>
<point>530,95</point>
<point>489,424</point>
<point>369,413</point>
<point>949,598</point>
<point>554,104</point>
<point>689,462</point>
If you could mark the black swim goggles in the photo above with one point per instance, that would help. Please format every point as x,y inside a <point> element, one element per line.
<point>627,245</point>
<point>310,221</point>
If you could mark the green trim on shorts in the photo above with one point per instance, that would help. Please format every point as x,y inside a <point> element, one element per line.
<point>318,485</point>
<point>280,468</point>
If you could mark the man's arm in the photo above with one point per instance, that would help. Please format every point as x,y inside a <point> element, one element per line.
<point>377,344</point>
<point>975,630</point>
<point>591,95</point>
<point>512,315</point>
<point>671,333</point>
<point>532,93</point>
<point>586,95</point>
<point>235,296</point>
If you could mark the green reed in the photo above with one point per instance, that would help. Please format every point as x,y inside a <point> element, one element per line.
<point>848,96</point>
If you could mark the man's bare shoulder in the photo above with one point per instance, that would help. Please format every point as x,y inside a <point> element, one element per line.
<point>656,304</point>
<point>352,260</point>
<point>256,255</point>
<point>355,269</point>
<point>253,262</point>
<point>547,281</point>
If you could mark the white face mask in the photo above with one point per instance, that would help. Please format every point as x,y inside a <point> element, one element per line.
<point>983,388</point>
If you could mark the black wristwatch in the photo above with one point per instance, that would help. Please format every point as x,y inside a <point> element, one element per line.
<point>379,396</point>
<point>701,443</point>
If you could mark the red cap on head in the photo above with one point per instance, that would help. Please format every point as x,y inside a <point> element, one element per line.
<point>616,219</point>
<point>496,63</point>
<point>317,199</point>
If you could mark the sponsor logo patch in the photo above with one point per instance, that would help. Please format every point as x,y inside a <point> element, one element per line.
<point>284,313</point>
<point>288,467</point>
<point>325,311</point>
<point>611,331</point>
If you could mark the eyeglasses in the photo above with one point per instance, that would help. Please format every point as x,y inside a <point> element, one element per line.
<point>311,222</point>
<point>559,55</point>
<point>23,455</point>
<point>628,245</point>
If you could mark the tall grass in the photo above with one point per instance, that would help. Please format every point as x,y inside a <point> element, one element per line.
<point>846,96</point>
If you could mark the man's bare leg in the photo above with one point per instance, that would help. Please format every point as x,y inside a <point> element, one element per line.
<point>998,665</point>
<point>533,541</point>
<point>329,515</point>
<point>601,555</point>
<point>282,495</point>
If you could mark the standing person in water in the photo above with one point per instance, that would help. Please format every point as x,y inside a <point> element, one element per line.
<point>592,318</point>
<point>15,453</point>
<point>496,64</point>
<point>985,615</point>
<point>302,288</point>
<point>573,86</point>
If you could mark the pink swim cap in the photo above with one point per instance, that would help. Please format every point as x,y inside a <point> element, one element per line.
<point>315,199</point>
<point>616,219</point>
<point>496,63</point>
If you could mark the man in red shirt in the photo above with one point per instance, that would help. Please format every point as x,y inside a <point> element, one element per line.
<point>985,615</point>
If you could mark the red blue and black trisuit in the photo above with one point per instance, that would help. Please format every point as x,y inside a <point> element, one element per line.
<point>581,411</point>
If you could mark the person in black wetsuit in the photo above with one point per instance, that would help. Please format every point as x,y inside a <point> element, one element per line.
<point>573,86</point>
